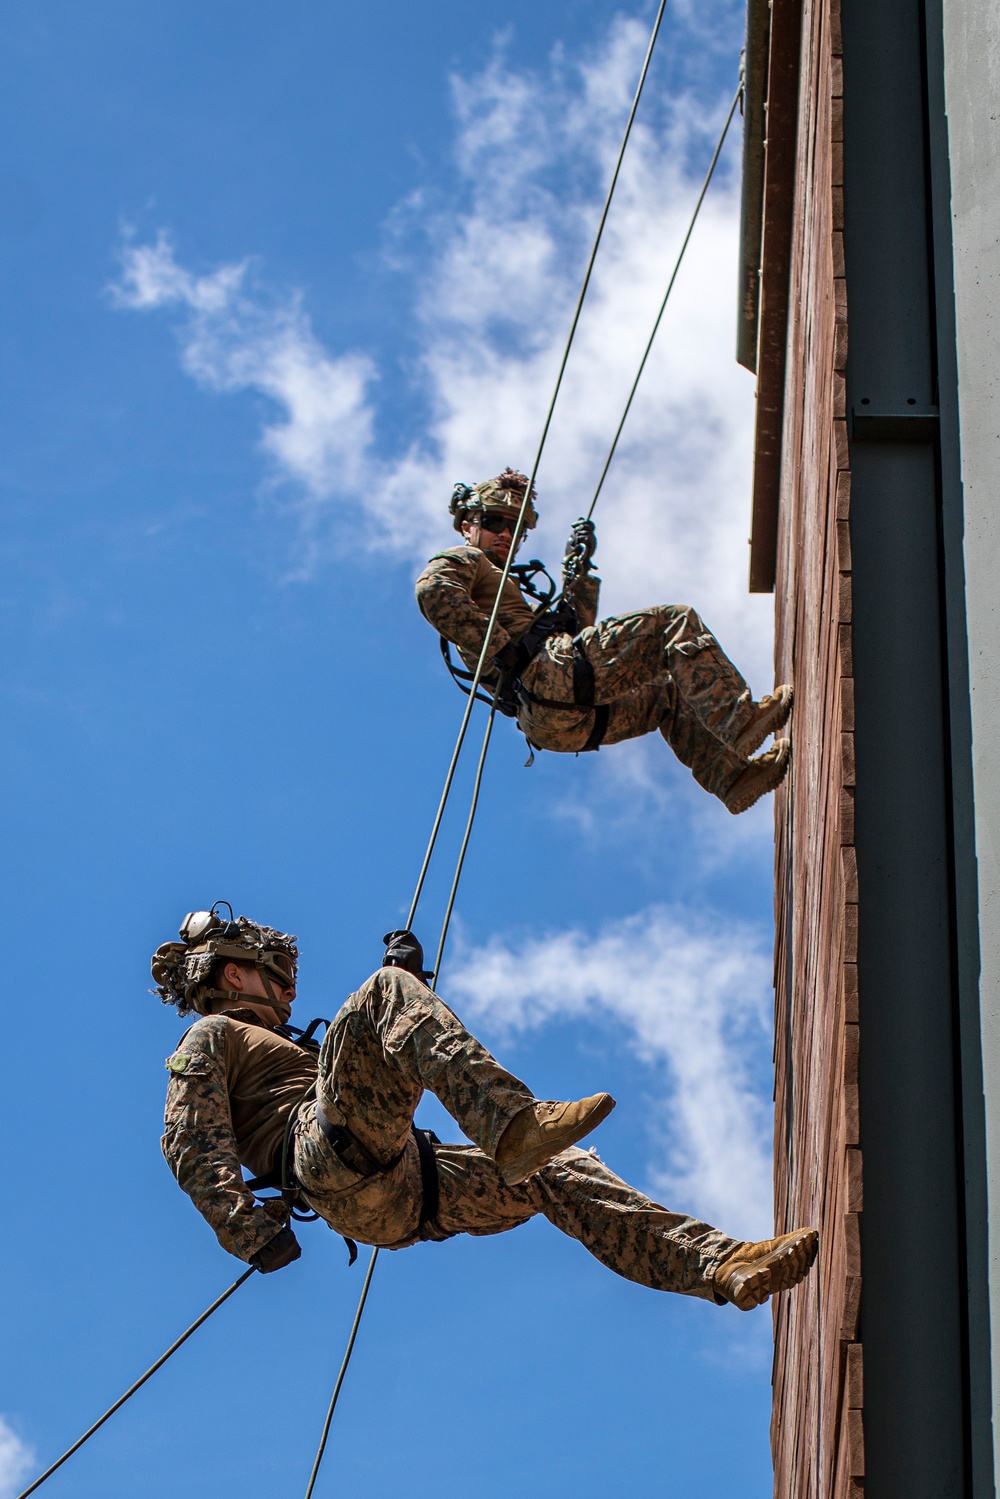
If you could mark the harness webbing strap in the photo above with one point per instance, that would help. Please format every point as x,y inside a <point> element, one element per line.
<point>596,736</point>
<point>430,1182</point>
<point>583,676</point>
<point>350,1149</point>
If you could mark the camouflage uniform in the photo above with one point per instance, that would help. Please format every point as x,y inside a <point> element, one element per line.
<point>390,1041</point>
<point>659,668</point>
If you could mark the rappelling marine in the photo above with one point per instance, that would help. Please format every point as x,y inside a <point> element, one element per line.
<point>329,1127</point>
<point>575,683</point>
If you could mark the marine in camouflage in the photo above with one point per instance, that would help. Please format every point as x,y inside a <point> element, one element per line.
<point>390,1041</point>
<point>657,669</point>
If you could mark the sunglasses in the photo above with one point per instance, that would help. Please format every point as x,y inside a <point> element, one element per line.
<point>496,521</point>
<point>279,966</point>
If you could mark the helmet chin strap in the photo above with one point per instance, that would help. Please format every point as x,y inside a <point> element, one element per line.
<point>272,997</point>
<point>244,998</point>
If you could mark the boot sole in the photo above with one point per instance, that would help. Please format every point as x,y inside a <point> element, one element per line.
<point>753,737</point>
<point>778,1271</point>
<point>768,778</point>
<point>525,1165</point>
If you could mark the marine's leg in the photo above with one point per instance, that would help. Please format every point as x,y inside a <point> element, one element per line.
<point>628,654</point>
<point>626,1230</point>
<point>706,679</point>
<point>715,765</point>
<point>389,1042</point>
<point>576,1192</point>
<point>625,652</point>
<point>473,1196</point>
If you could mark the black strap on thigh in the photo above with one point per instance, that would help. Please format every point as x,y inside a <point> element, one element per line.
<point>583,676</point>
<point>426,1140</point>
<point>349,1149</point>
<point>584,690</point>
<point>431,1184</point>
<point>583,695</point>
<point>596,736</point>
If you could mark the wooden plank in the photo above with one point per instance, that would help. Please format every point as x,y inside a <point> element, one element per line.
<point>776,241</point>
<point>817,1425</point>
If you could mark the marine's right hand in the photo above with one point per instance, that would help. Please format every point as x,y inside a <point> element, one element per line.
<point>277,1252</point>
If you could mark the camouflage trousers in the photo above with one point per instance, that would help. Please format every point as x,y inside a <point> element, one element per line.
<point>393,1039</point>
<point>656,669</point>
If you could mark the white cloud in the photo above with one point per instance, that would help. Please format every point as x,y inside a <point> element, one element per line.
<point>693,993</point>
<point>234,339</point>
<point>498,267</point>
<point>16,1461</point>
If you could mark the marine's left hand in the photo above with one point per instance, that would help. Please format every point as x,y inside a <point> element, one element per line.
<point>581,546</point>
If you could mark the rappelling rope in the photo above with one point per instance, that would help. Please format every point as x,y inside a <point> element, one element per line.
<point>340,1377</point>
<point>480,666</point>
<point>607,464</point>
<point>484,654</point>
<point>465,844</point>
<point>666,296</point>
<point>138,1384</point>
<point>241,1280</point>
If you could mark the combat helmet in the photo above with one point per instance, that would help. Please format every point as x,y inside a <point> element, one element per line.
<point>182,970</point>
<point>504,493</point>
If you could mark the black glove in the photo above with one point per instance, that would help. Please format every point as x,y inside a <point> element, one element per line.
<point>511,659</point>
<point>402,950</point>
<point>580,548</point>
<point>277,1252</point>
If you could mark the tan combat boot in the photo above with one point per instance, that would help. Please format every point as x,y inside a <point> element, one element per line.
<point>761,776</point>
<point>769,715</point>
<point>756,1271</point>
<point>541,1130</point>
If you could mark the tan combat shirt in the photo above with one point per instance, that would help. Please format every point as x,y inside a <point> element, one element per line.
<point>233,1084</point>
<point>457,590</point>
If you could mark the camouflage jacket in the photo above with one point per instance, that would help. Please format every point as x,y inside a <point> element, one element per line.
<point>457,590</point>
<point>233,1084</point>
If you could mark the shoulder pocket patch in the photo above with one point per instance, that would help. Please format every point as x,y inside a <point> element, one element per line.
<point>179,1062</point>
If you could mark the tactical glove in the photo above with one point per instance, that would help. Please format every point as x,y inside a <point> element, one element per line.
<point>277,1252</point>
<point>580,549</point>
<point>402,950</point>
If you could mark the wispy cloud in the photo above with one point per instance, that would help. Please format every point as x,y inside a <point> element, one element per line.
<point>693,993</point>
<point>496,261</point>
<point>235,339</point>
<point>16,1461</point>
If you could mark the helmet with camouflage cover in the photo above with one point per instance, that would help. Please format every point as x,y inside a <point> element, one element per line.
<point>182,971</point>
<point>504,493</point>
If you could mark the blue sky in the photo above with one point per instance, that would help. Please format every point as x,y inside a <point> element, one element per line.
<point>276,277</point>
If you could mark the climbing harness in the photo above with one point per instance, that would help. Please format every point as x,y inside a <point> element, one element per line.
<point>524,574</point>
